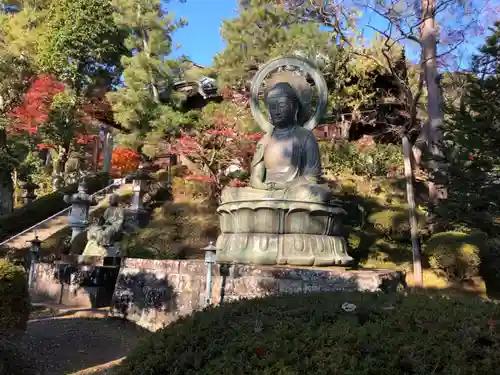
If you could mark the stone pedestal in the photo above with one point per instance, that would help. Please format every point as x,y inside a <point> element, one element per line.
<point>153,293</point>
<point>76,281</point>
<point>282,231</point>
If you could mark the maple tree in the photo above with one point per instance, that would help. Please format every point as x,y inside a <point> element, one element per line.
<point>36,105</point>
<point>123,161</point>
<point>213,151</point>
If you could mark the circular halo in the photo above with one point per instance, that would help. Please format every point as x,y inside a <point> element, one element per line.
<point>307,67</point>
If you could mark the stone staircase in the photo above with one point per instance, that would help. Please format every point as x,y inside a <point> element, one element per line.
<point>54,223</point>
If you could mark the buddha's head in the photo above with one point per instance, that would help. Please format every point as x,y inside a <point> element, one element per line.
<point>283,105</point>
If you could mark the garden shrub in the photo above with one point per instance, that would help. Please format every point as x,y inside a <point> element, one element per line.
<point>14,298</point>
<point>15,360</point>
<point>490,266</point>
<point>38,210</point>
<point>420,333</point>
<point>455,254</point>
<point>176,231</point>
<point>374,160</point>
<point>189,189</point>
<point>394,221</point>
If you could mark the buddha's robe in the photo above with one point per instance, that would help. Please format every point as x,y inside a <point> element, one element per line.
<point>286,165</point>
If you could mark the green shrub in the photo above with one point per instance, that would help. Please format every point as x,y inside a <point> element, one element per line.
<point>455,254</point>
<point>394,221</point>
<point>490,266</point>
<point>378,160</point>
<point>14,298</point>
<point>387,334</point>
<point>177,230</point>
<point>14,360</point>
<point>38,210</point>
<point>371,161</point>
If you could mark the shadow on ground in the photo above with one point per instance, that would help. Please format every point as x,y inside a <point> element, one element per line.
<point>65,345</point>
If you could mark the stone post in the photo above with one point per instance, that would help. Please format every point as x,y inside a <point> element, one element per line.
<point>79,212</point>
<point>29,191</point>
<point>107,152</point>
<point>139,187</point>
<point>35,248</point>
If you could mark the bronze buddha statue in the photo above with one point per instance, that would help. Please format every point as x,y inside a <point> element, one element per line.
<point>286,215</point>
<point>287,162</point>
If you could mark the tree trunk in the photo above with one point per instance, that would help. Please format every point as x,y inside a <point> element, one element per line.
<point>6,192</point>
<point>437,173</point>
<point>60,165</point>
<point>415,242</point>
<point>6,184</point>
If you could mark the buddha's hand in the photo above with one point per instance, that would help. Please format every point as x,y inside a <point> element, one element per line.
<point>276,185</point>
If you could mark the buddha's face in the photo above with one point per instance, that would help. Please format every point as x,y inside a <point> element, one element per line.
<point>283,106</point>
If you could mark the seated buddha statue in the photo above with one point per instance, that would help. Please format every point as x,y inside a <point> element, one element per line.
<point>286,164</point>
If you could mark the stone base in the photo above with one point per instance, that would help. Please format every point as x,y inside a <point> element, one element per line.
<point>154,293</point>
<point>82,285</point>
<point>291,249</point>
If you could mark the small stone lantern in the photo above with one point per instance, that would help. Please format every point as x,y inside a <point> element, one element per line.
<point>139,184</point>
<point>79,212</point>
<point>210,252</point>
<point>139,187</point>
<point>29,191</point>
<point>35,248</point>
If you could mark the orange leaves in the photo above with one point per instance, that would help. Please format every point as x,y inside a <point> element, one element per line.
<point>124,161</point>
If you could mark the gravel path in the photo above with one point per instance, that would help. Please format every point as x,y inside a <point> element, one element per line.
<point>64,343</point>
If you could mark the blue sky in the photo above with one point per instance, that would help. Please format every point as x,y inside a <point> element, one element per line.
<point>201,40</point>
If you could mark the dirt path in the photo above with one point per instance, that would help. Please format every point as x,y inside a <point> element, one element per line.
<point>78,341</point>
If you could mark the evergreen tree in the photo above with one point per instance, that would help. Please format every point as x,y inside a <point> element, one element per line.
<point>145,103</point>
<point>473,138</point>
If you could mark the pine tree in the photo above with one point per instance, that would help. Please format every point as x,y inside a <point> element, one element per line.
<point>473,139</point>
<point>145,104</point>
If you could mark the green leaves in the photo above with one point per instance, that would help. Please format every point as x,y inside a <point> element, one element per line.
<point>146,103</point>
<point>81,38</point>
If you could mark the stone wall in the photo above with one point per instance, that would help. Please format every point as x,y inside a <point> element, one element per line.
<point>85,284</point>
<point>153,293</point>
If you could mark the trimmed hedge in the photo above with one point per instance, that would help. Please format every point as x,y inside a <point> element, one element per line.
<point>14,298</point>
<point>457,255</point>
<point>38,210</point>
<point>418,333</point>
<point>15,360</point>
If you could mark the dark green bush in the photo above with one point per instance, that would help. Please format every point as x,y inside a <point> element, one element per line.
<point>387,334</point>
<point>14,360</point>
<point>394,222</point>
<point>14,298</point>
<point>38,210</point>
<point>455,254</point>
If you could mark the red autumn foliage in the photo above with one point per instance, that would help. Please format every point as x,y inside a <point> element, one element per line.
<point>35,107</point>
<point>214,151</point>
<point>123,161</point>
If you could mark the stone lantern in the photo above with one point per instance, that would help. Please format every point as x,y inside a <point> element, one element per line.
<point>79,212</point>
<point>35,248</point>
<point>139,188</point>
<point>29,191</point>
